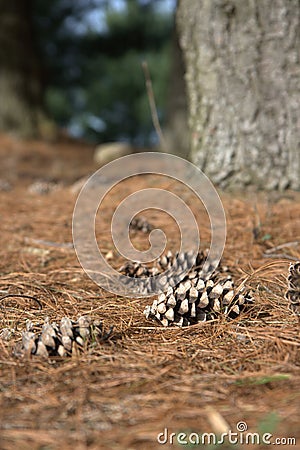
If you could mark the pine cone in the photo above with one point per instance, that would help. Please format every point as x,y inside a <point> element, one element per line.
<point>61,340</point>
<point>201,295</point>
<point>172,265</point>
<point>198,300</point>
<point>293,292</point>
<point>140,224</point>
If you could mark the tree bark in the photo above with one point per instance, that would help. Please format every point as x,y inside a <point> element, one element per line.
<point>243,83</point>
<point>20,75</point>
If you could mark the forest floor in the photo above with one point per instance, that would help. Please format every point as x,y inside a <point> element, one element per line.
<point>121,394</point>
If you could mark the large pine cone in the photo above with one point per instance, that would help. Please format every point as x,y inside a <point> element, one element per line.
<point>194,299</point>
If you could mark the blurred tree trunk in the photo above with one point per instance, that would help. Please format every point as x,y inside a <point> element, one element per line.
<point>243,83</point>
<point>20,76</point>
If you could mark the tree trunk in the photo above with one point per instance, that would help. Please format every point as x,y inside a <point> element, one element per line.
<point>20,77</point>
<point>243,83</point>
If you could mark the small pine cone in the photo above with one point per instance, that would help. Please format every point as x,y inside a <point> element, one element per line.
<point>61,340</point>
<point>134,269</point>
<point>293,291</point>
<point>140,224</point>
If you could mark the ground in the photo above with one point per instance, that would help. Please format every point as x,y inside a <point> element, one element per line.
<point>122,393</point>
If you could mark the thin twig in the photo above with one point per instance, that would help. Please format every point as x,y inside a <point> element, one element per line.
<point>68,245</point>
<point>279,247</point>
<point>152,103</point>
<point>280,255</point>
<point>20,296</point>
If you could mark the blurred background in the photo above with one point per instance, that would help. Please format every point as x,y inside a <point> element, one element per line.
<point>224,73</point>
<point>81,64</point>
<point>92,53</point>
